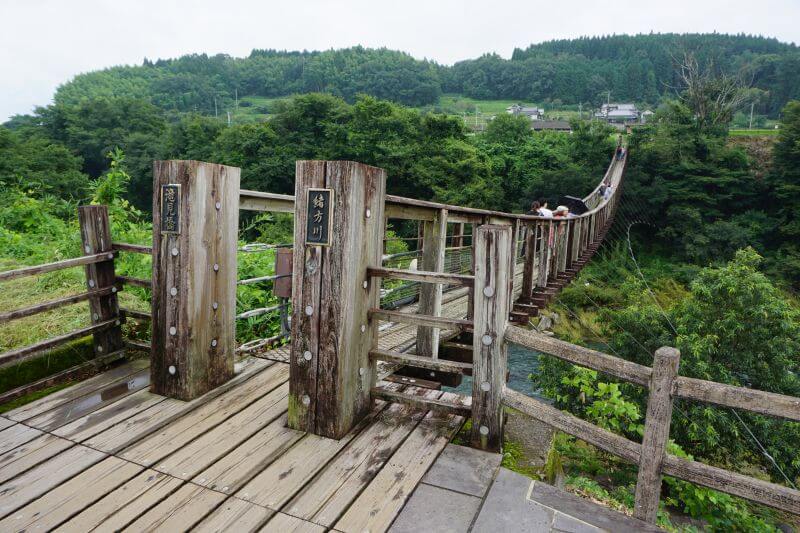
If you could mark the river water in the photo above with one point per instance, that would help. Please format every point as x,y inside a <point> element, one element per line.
<point>521,363</point>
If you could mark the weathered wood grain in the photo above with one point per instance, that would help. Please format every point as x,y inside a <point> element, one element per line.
<point>180,512</point>
<point>422,276</point>
<point>193,341</point>
<point>266,201</point>
<point>199,421</point>
<point>30,454</point>
<point>434,243</point>
<point>656,433</point>
<point>344,374</point>
<point>330,493</point>
<point>306,287</point>
<point>71,497</point>
<point>459,406</point>
<point>135,248</point>
<point>441,365</point>
<point>289,524</point>
<point>120,507</point>
<point>56,265</point>
<point>235,515</point>
<point>756,401</point>
<point>493,244</point>
<point>419,320</point>
<point>378,505</point>
<point>96,238</point>
<point>51,401</point>
<point>578,355</point>
<point>39,480</point>
<point>54,304</point>
<point>16,435</point>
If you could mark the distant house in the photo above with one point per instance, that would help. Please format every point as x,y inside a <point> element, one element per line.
<point>622,115</point>
<point>533,113</point>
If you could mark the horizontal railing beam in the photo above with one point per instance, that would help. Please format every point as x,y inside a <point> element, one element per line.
<point>756,401</point>
<point>57,265</point>
<point>135,248</point>
<point>461,408</point>
<point>26,351</point>
<point>265,201</point>
<point>136,282</point>
<point>273,277</point>
<point>55,304</point>
<point>419,320</point>
<point>763,492</point>
<point>578,355</point>
<point>417,361</point>
<point>422,276</point>
<point>134,314</point>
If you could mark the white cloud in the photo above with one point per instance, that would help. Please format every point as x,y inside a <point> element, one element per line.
<point>43,43</point>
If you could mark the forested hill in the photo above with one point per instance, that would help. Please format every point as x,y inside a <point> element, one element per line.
<point>640,68</point>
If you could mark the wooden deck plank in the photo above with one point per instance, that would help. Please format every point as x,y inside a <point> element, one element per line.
<point>330,493</point>
<point>234,515</point>
<point>249,458</point>
<point>191,459</point>
<point>83,388</point>
<point>39,480</point>
<point>90,425</point>
<point>180,432</point>
<point>30,454</point>
<point>71,497</point>
<point>123,505</point>
<point>16,435</point>
<point>151,420</point>
<point>89,403</point>
<point>5,423</point>
<point>382,499</point>
<point>182,510</point>
<point>285,523</point>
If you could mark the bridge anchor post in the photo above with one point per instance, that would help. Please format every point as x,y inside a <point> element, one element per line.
<point>493,246</point>
<point>338,233</point>
<point>195,228</point>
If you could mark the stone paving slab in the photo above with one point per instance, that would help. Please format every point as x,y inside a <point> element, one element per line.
<point>508,510</point>
<point>436,509</point>
<point>464,470</point>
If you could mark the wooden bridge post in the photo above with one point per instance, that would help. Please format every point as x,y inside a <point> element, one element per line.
<point>434,244</point>
<point>96,238</point>
<point>493,244</point>
<point>528,272</point>
<point>656,433</point>
<point>330,371</point>
<point>195,229</point>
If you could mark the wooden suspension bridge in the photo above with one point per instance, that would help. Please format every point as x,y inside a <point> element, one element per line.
<point>346,427</point>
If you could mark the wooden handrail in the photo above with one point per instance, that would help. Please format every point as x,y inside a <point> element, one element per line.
<point>137,282</point>
<point>462,407</point>
<point>21,353</point>
<point>55,304</point>
<point>763,492</point>
<point>422,276</point>
<point>417,361</point>
<point>756,401</point>
<point>57,265</point>
<point>135,248</point>
<point>419,320</point>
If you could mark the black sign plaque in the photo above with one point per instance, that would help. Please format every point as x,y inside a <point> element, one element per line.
<point>171,208</point>
<point>319,212</point>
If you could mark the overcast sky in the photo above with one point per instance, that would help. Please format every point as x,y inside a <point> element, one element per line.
<point>44,43</point>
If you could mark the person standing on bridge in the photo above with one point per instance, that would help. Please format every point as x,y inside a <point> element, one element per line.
<point>543,210</point>
<point>534,210</point>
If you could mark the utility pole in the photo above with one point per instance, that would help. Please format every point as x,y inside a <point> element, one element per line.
<point>229,118</point>
<point>580,110</point>
<point>476,118</point>
<point>751,114</point>
<point>215,106</point>
<point>236,93</point>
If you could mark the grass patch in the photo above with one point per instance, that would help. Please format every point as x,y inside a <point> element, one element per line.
<point>62,358</point>
<point>753,133</point>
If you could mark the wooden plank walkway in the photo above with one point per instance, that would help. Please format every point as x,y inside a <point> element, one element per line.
<point>99,455</point>
<point>107,454</point>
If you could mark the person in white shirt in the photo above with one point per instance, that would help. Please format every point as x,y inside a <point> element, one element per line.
<point>544,211</point>
<point>608,192</point>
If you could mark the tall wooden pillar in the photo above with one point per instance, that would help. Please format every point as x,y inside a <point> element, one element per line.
<point>493,244</point>
<point>195,227</point>
<point>434,244</point>
<point>339,217</point>
<point>96,237</point>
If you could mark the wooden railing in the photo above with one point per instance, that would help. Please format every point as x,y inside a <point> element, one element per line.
<point>651,455</point>
<point>104,314</point>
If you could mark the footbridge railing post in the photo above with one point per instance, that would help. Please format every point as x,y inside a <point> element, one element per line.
<point>338,233</point>
<point>493,245</point>
<point>195,227</point>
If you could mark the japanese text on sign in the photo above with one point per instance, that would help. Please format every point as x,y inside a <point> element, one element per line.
<point>318,216</point>
<point>170,208</point>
